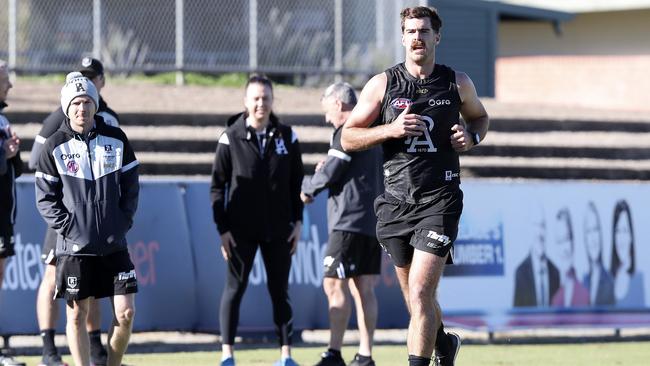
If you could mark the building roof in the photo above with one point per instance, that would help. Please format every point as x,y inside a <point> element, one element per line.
<point>581,6</point>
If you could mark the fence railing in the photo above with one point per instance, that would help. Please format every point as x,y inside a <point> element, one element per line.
<point>312,38</point>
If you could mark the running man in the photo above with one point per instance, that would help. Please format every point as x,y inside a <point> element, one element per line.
<point>412,110</point>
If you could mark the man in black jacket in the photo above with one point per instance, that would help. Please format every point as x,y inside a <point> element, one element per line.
<point>47,308</point>
<point>87,191</point>
<point>10,168</point>
<point>255,196</point>
<point>354,181</point>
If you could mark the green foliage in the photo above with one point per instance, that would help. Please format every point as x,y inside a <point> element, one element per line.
<point>191,78</point>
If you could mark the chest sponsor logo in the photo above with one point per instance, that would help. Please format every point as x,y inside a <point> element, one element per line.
<point>108,148</point>
<point>401,103</point>
<point>280,148</point>
<point>422,91</point>
<point>70,156</point>
<point>439,102</point>
<point>72,166</point>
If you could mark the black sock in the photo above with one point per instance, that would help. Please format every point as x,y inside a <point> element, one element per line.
<point>336,353</point>
<point>419,361</point>
<point>96,347</point>
<point>47,335</point>
<point>442,341</point>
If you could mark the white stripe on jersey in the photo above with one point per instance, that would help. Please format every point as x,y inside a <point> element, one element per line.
<point>46,176</point>
<point>224,139</point>
<point>339,154</point>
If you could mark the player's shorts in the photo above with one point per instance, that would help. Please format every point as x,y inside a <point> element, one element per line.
<point>403,227</point>
<point>351,254</point>
<point>49,246</point>
<point>6,245</point>
<point>80,277</point>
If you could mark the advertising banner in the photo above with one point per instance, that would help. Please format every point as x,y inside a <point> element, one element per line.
<point>528,254</point>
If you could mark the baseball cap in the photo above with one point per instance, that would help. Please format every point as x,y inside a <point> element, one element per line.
<point>91,67</point>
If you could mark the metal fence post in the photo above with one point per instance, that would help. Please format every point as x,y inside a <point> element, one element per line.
<point>97,29</point>
<point>180,77</point>
<point>12,39</point>
<point>380,25</point>
<point>252,35</point>
<point>338,39</point>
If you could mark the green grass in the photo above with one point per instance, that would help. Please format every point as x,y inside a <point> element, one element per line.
<point>236,80</point>
<point>591,354</point>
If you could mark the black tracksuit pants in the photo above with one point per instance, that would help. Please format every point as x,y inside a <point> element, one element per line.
<point>277,261</point>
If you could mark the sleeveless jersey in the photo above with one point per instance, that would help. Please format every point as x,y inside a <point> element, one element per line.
<point>425,168</point>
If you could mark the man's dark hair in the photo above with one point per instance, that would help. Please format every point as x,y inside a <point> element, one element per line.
<point>620,208</point>
<point>259,79</point>
<point>422,12</point>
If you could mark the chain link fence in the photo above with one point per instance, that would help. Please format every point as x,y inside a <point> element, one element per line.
<point>312,38</point>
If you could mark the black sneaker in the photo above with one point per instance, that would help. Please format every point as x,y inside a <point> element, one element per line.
<point>327,358</point>
<point>9,361</point>
<point>359,360</point>
<point>454,347</point>
<point>52,360</point>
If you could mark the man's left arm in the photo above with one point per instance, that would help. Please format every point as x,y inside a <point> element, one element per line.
<point>129,182</point>
<point>474,114</point>
<point>297,175</point>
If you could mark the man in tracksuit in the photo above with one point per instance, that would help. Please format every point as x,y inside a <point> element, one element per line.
<point>354,181</point>
<point>255,196</point>
<point>87,191</point>
<point>47,308</point>
<point>10,168</point>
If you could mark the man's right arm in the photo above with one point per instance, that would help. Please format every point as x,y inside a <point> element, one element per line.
<point>50,125</point>
<point>49,194</point>
<point>221,172</point>
<point>3,158</point>
<point>358,135</point>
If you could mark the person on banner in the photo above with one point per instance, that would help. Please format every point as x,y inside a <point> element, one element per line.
<point>536,277</point>
<point>629,289</point>
<point>47,308</point>
<point>11,167</point>
<point>571,292</point>
<point>597,280</point>
<point>413,110</point>
<point>87,191</point>
<point>255,195</point>
<point>352,260</point>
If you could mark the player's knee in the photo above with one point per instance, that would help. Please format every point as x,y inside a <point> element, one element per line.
<point>77,316</point>
<point>125,316</point>
<point>420,295</point>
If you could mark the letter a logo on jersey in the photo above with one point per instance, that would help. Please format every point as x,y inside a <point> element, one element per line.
<point>280,149</point>
<point>425,145</point>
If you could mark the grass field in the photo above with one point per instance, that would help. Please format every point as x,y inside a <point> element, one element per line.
<point>591,354</point>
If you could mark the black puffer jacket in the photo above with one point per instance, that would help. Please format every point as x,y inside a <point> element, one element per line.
<point>257,195</point>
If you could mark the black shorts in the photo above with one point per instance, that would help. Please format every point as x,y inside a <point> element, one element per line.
<point>49,247</point>
<point>6,245</point>
<point>80,277</point>
<point>351,254</point>
<point>403,227</point>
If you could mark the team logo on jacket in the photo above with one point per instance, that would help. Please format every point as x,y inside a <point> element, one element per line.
<point>73,167</point>
<point>280,148</point>
<point>401,103</point>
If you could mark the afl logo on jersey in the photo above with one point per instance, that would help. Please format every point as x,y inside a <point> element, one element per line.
<point>401,103</point>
